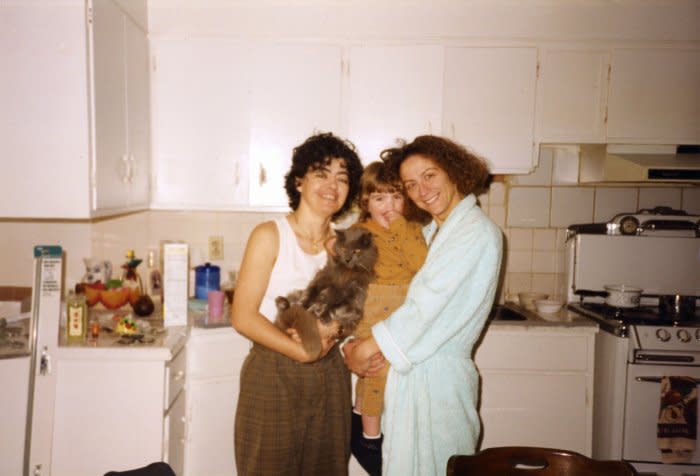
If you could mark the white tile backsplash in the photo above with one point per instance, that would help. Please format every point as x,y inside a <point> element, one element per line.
<point>691,200</point>
<point>609,201</point>
<point>520,239</point>
<point>533,248</point>
<point>542,175</point>
<point>657,197</point>
<point>571,205</point>
<point>528,207</point>
<point>544,239</point>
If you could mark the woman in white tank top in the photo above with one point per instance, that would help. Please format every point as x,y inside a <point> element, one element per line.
<point>293,415</point>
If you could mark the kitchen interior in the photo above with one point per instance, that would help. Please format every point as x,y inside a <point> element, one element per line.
<point>130,124</point>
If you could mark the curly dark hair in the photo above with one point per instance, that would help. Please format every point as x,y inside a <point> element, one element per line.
<point>318,151</point>
<point>466,170</point>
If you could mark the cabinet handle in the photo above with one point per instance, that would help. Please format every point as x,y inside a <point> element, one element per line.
<point>263,176</point>
<point>452,128</point>
<point>126,168</point>
<point>131,168</point>
<point>237,178</point>
<point>430,127</point>
<point>179,375</point>
<point>45,363</point>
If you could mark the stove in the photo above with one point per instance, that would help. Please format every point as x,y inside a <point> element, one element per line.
<point>637,348</point>
<point>618,321</point>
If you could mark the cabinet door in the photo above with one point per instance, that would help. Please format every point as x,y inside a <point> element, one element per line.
<point>211,413</point>
<point>44,123</point>
<point>138,104</point>
<point>489,104</point>
<point>654,96</point>
<point>201,123</point>
<point>545,410</point>
<point>111,157</point>
<point>572,93</point>
<point>112,411</point>
<point>295,92</point>
<point>394,92</point>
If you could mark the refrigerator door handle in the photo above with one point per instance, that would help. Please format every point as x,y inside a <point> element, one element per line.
<point>45,362</point>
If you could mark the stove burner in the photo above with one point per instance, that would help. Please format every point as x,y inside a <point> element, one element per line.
<point>649,315</point>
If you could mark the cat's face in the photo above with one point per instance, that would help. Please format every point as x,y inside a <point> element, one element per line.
<point>355,248</point>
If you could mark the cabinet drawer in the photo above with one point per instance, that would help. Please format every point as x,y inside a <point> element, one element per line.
<point>174,378</point>
<point>529,351</point>
<point>216,355</point>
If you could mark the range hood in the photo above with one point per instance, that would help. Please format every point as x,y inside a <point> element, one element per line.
<point>639,163</point>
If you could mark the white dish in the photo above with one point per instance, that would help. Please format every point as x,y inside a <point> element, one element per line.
<point>527,299</point>
<point>548,306</point>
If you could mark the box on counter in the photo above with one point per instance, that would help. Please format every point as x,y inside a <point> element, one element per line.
<point>175,256</point>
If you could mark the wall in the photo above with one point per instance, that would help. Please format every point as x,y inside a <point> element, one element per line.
<point>532,210</point>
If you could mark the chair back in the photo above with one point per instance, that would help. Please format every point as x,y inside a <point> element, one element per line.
<point>532,461</point>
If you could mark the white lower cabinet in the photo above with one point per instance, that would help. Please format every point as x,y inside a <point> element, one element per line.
<point>214,359</point>
<point>537,387</point>
<point>114,414</point>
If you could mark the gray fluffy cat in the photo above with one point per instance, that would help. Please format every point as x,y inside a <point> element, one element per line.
<point>336,293</point>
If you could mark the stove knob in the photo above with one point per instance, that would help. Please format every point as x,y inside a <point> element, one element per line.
<point>683,335</point>
<point>697,334</point>
<point>663,335</point>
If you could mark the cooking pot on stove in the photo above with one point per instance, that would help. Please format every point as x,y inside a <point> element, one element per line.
<point>622,295</point>
<point>616,295</point>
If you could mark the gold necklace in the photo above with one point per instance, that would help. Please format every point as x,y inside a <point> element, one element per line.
<point>315,244</point>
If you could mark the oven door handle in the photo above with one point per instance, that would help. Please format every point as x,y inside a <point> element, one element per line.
<point>658,379</point>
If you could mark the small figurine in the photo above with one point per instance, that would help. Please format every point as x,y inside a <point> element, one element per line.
<point>97,271</point>
<point>130,277</point>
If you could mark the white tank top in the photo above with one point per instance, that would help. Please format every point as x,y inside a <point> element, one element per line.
<point>293,269</point>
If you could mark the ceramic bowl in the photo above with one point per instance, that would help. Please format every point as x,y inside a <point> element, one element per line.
<point>92,295</point>
<point>527,299</point>
<point>115,298</point>
<point>548,306</point>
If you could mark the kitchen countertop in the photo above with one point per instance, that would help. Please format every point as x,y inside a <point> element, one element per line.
<point>563,319</point>
<point>163,342</point>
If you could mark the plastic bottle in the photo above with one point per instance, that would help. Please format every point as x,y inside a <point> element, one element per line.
<point>76,316</point>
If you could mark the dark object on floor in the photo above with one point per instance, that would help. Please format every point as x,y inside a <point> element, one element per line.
<point>532,461</point>
<point>367,452</point>
<point>153,469</point>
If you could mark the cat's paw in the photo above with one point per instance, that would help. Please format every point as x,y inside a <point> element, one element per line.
<point>282,303</point>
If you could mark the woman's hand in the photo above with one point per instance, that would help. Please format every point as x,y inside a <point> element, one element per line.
<point>363,357</point>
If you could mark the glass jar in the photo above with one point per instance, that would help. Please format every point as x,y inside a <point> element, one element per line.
<point>76,316</point>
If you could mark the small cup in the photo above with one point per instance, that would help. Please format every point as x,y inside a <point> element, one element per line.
<point>216,304</point>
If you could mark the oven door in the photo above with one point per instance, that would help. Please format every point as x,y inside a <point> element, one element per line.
<point>642,404</point>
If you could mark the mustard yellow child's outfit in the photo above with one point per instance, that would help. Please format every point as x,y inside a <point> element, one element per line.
<point>402,251</point>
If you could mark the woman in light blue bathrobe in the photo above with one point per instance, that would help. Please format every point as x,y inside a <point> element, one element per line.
<point>433,386</point>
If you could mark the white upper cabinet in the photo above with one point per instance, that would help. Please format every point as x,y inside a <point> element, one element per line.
<point>67,139</point>
<point>655,96</point>
<point>393,92</point>
<point>227,115</point>
<point>572,93</point>
<point>122,101</point>
<point>295,92</point>
<point>489,104</point>
<point>201,123</point>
